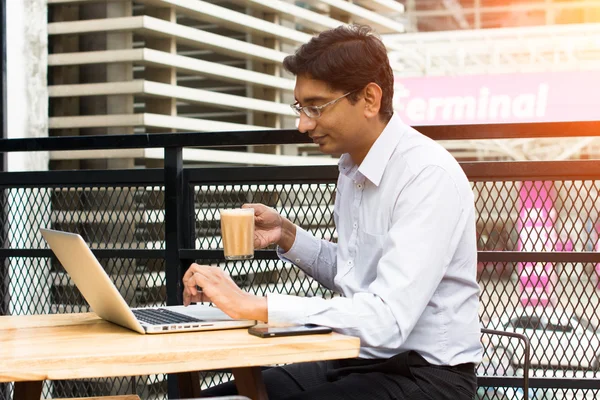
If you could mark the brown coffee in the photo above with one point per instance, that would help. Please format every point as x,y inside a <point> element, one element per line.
<point>237,232</point>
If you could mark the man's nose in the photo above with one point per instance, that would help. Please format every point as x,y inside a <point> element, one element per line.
<point>306,124</point>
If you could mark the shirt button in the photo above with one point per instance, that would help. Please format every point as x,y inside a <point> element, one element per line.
<point>355,224</point>
<point>350,263</point>
<point>297,260</point>
<point>359,186</point>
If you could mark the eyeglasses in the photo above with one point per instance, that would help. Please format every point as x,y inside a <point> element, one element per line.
<point>315,112</point>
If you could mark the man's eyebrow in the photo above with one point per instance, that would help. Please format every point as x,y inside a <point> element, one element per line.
<point>311,99</point>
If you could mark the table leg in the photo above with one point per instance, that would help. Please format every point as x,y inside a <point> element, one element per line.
<point>189,385</point>
<point>249,382</point>
<point>31,390</point>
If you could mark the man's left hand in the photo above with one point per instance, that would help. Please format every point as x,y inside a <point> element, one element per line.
<point>219,288</point>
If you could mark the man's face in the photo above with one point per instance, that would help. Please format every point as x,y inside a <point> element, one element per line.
<point>338,128</point>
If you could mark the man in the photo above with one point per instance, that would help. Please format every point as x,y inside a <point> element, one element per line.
<point>405,259</point>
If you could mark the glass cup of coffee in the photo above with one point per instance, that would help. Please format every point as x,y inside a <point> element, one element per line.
<point>237,232</point>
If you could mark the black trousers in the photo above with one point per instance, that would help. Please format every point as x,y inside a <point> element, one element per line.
<point>405,376</point>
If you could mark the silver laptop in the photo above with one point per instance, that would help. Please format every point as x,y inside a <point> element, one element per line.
<point>106,301</point>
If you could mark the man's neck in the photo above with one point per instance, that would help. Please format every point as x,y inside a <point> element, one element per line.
<point>372,133</point>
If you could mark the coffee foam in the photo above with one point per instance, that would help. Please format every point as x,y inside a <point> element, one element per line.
<point>237,211</point>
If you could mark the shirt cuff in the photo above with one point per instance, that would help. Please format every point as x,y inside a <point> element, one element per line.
<point>304,251</point>
<point>286,309</point>
<point>283,309</point>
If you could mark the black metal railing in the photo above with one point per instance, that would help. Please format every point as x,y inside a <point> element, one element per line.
<point>3,83</point>
<point>146,226</point>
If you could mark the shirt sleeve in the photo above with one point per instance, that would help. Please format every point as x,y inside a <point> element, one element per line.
<point>427,223</point>
<point>316,257</point>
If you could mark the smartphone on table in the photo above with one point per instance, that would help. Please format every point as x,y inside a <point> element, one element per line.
<point>266,331</point>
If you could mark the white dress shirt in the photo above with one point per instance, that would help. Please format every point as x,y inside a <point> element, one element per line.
<point>406,256</point>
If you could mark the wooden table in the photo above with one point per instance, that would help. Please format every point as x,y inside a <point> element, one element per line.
<point>73,346</point>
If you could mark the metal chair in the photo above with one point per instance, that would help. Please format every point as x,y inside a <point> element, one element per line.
<point>527,350</point>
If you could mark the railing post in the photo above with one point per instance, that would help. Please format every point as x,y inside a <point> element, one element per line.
<point>174,200</point>
<point>188,221</point>
<point>174,206</point>
<point>3,82</point>
<point>4,299</point>
<point>180,232</point>
<point>3,156</point>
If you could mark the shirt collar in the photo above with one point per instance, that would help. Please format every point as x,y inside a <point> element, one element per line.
<point>347,167</point>
<point>378,156</point>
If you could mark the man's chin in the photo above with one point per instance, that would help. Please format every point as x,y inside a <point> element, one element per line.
<point>329,150</point>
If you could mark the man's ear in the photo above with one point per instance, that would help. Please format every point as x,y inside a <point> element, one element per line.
<point>372,93</point>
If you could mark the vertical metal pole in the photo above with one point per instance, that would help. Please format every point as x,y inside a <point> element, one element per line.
<point>188,221</point>
<point>173,238</point>
<point>180,232</point>
<point>3,123</point>
<point>4,298</point>
<point>174,206</point>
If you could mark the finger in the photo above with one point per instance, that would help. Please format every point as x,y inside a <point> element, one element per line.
<point>199,297</point>
<point>194,282</point>
<point>186,297</point>
<point>189,285</point>
<point>259,209</point>
<point>260,240</point>
<point>205,276</point>
<point>195,275</point>
<point>190,291</point>
<point>208,274</point>
<point>190,271</point>
<point>256,206</point>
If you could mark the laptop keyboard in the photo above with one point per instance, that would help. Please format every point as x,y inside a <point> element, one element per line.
<point>161,316</point>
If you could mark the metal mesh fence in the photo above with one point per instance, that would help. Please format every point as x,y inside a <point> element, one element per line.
<point>563,213</point>
<point>106,217</point>
<point>551,300</point>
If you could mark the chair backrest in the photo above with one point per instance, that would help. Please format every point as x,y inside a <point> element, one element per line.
<point>526,354</point>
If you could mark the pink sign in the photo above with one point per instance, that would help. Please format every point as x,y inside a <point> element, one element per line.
<point>536,233</point>
<point>498,98</point>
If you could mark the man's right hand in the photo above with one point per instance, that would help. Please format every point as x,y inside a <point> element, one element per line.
<point>271,228</point>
